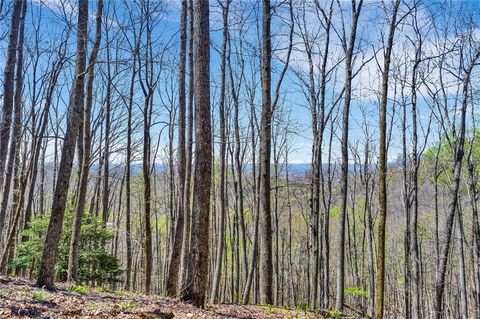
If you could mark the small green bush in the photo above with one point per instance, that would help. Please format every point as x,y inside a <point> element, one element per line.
<point>39,295</point>
<point>95,263</point>
<point>82,289</point>
<point>127,305</point>
<point>302,306</point>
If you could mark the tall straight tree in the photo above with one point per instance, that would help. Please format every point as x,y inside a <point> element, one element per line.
<point>85,165</point>
<point>265,213</point>
<point>348,48</point>
<point>196,291</point>
<point>188,156</point>
<point>268,107</point>
<point>128,167</point>
<point>148,84</point>
<point>46,272</point>
<point>382,175</point>
<point>173,270</point>
<point>223,146</point>
<point>415,260</point>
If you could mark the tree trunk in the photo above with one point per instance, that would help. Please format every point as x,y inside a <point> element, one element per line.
<point>128,170</point>
<point>73,255</point>
<point>147,196</point>
<point>196,291</point>
<point>174,268</point>
<point>8,92</point>
<point>457,170</point>
<point>223,145</point>
<point>344,178</point>
<point>50,249</point>
<point>184,260</point>
<point>382,190</point>
<point>18,110</point>
<point>265,213</point>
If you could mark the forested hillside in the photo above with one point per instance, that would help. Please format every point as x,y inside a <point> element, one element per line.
<point>240,158</point>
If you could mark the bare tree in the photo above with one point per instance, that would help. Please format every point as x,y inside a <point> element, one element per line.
<point>196,290</point>
<point>268,107</point>
<point>458,153</point>
<point>382,178</point>
<point>50,248</point>
<point>174,267</point>
<point>223,147</point>
<point>85,165</point>
<point>8,92</point>
<point>349,52</point>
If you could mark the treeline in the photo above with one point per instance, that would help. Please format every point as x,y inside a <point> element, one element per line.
<point>148,146</point>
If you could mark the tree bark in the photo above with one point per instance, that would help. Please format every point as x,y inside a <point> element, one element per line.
<point>50,248</point>
<point>73,256</point>
<point>8,92</point>
<point>455,180</point>
<point>196,291</point>
<point>382,182</point>
<point>184,260</point>
<point>344,178</point>
<point>223,144</point>
<point>128,170</point>
<point>18,111</point>
<point>174,268</point>
<point>265,213</point>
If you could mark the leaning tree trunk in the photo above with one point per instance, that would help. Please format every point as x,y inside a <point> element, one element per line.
<point>17,125</point>
<point>457,170</point>
<point>13,159</point>
<point>8,92</point>
<point>50,249</point>
<point>37,149</point>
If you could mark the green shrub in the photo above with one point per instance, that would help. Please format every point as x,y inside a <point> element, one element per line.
<point>39,295</point>
<point>127,305</point>
<point>82,289</point>
<point>303,306</point>
<point>95,264</point>
<point>101,289</point>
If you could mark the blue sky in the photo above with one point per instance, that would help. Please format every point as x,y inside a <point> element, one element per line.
<point>372,28</point>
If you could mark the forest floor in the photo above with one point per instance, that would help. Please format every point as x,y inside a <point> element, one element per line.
<point>19,298</point>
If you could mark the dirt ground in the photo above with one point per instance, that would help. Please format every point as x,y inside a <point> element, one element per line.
<point>19,298</point>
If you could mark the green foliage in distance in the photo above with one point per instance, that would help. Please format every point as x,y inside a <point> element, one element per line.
<point>355,291</point>
<point>95,264</point>
<point>444,152</point>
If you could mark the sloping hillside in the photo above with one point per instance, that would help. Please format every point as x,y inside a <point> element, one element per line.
<point>21,299</point>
